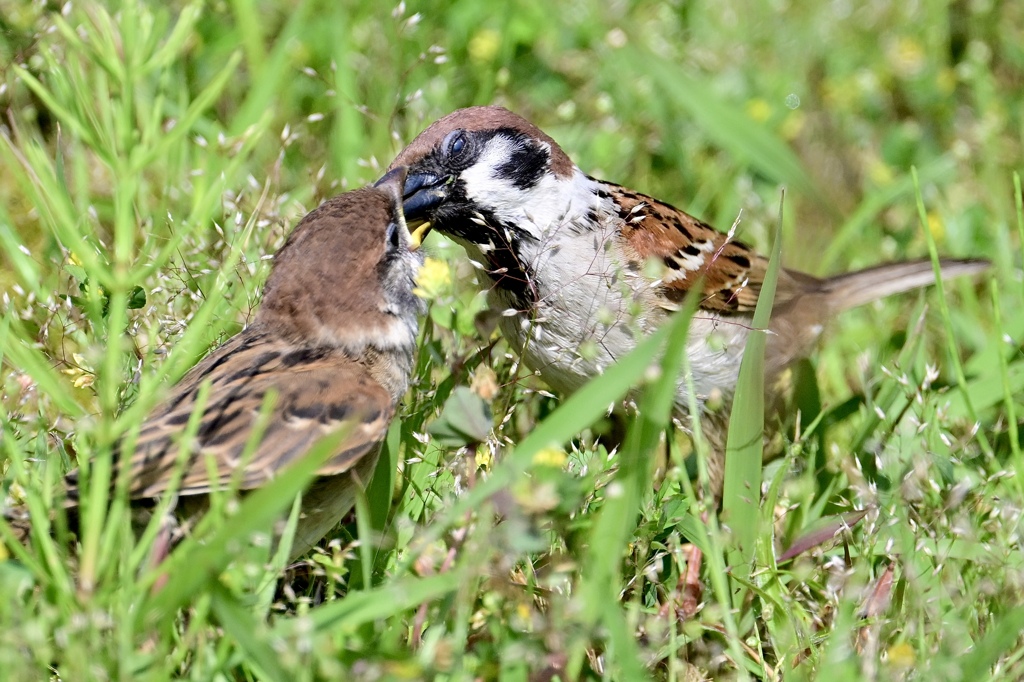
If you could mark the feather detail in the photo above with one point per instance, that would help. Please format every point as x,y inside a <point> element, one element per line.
<point>689,249</point>
<point>604,264</point>
<point>329,353</point>
<point>865,286</point>
<point>315,391</point>
<point>733,272</point>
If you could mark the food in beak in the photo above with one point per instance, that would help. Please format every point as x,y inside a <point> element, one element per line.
<point>418,234</point>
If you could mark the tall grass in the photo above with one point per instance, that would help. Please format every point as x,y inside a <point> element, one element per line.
<point>151,157</point>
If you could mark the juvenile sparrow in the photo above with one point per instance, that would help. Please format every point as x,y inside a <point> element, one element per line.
<point>582,266</point>
<point>332,346</point>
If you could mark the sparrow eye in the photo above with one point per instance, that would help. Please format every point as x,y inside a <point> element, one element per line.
<point>394,237</point>
<point>455,143</point>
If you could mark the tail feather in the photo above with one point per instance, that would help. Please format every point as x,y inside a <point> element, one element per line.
<point>864,286</point>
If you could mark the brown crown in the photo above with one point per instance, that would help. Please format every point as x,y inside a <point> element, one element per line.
<point>476,119</point>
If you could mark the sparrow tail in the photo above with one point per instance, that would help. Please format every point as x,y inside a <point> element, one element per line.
<point>864,286</point>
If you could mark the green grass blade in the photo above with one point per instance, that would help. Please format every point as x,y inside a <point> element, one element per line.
<point>202,102</point>
<point>275,72</point>
<point>249,634</point>
<point>623,654</point>
<point>195,564</point>
<point>382,485</point>
<point>78,128</point>
<point>741,495</point>
<point>175,43</point>
<point>1001,638</point>
<point>579,411</point>
<point>378,603</point>
<point>247,15</point>
<point>860,221</point>
<point>612,530</point>
<point>1008,390</point>
<point>951,344</point>
<point>18,255</point>
<point>1018,204</point>
<point>367,538</point>
<point>611,533</point>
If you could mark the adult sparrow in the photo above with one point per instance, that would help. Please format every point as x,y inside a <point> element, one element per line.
<point>331,348</point>
<point>581,266</point>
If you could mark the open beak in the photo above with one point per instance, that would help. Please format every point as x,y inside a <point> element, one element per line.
<point>394,182</point>
<point>423,192</point>
<point>417,234</point>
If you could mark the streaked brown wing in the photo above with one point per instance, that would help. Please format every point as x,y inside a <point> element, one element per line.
<point>688,248</point>
<point>318,391</point>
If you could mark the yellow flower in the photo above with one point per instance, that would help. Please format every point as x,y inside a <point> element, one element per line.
<point>901,655</point>
<point>946,80</point>
<point>434,278</point>
<point>880,172</point>
<point>793,124</point>
<point>936,227</point>
<point>483,457</point>
<point>759,110</point>
<point>907,57</point>
<point>483,47</point>
<point>550,457</point>
<point>82,373</point>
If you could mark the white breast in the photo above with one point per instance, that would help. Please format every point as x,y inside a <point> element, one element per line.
<point>592,310</point>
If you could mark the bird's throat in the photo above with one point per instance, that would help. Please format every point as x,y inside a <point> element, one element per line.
<point>501,253</point>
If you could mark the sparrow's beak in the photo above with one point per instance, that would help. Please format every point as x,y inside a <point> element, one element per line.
<point>424,191</point>
<point>394,183</point>
<point>418,234</point>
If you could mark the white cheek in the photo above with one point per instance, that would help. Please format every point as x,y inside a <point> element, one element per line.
<point>553,201</point>
<point>479,177</point>
<point>500,196</point>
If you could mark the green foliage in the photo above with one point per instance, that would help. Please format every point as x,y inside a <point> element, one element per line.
<point>744,450</point>
<point>465,419</point>
<point>153,154</point>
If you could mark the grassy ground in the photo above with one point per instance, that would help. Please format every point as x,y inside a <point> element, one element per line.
<point>151,156</point>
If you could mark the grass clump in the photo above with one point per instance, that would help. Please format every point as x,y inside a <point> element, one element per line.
<point>152,155</point>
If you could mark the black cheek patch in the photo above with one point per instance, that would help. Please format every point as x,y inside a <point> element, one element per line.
<point>525,166</point>
<point>455,216</point>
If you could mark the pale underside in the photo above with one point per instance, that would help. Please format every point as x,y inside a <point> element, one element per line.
<point>606,265</point>
<point>588,315</point>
